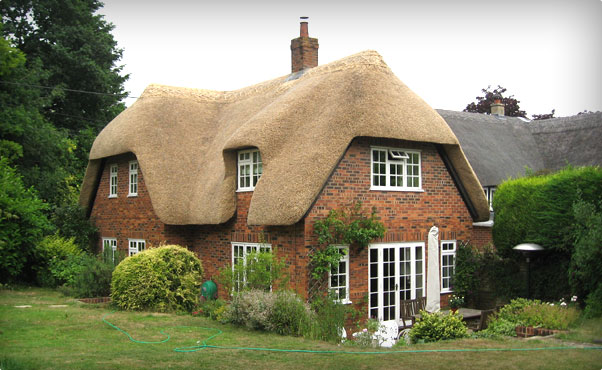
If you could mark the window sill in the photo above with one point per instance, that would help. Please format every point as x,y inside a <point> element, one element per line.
<point>112,196</point>
<point>344,301</point>
<point>410,190</point>
<point>244,190</point>
<point>132,195</point>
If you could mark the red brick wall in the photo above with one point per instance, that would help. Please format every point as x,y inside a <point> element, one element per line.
<point>133,217</point>
<point>408,216</point>
<point>481,237</point>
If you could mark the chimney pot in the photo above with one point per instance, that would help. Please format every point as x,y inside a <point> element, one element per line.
<point>303,32</point>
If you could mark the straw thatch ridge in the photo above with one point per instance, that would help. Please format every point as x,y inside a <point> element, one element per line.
<point>186,139</point>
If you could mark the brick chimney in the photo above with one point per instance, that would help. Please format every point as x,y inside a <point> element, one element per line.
<point>497,107</point>
<point>304,50</point>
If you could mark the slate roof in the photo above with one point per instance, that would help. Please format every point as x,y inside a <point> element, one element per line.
<point>500,147</point>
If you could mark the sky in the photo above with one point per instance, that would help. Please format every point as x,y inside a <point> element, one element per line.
<point>548,54</point>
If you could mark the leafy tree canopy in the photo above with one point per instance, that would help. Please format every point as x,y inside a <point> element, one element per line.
<point>483,103</point>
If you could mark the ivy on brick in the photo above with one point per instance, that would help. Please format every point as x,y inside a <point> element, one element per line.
<point>346,226</point>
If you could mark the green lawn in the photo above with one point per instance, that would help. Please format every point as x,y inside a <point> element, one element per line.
<point>75,337</point>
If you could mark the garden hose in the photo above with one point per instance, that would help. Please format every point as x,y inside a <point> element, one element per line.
<point>218,332</point>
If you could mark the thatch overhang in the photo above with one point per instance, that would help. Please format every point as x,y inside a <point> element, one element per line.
<point>186,139</point>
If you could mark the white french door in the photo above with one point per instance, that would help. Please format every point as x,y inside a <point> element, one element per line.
<point>395,273</point>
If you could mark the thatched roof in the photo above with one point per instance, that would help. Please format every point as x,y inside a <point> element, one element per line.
<point>501,147</point>
<point>497,147</point>
<point>574,140</point>
<point>185,140</point>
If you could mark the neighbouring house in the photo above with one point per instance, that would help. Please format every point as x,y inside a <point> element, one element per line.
<point>227,173</point>
<point>499,147</point>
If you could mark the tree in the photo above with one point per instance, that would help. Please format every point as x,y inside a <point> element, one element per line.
<point>537,117</point>
<point>22,224</point>
<point>483,103</point>
<point>70,49</point>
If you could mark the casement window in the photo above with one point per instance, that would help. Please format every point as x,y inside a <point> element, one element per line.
<point>489,191</point>
<point>110,243</point>
<point>396,169</point>
<point>113,169</point>
<point>133,179</point>
<point>250,169</point>
<point>136,245</point>
<point>338,281</point>
<point>240,251</point>
<point>448,264</point>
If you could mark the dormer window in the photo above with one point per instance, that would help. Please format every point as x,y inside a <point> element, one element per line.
<point>250,169</point>
<point>396,169</point>
<point>133,179</point>
<point>113,170</point>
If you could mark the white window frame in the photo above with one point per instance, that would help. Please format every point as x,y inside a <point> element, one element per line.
<point>242,250</point>
<point>136,246</point>
<point>395,159</point>
<point>416,277</point>
<point>489,192</point>
<point>133,185</point>
<point>113,171</point>
<point>448,249</point>
<point>249,169</point>
<point>336,274</point>
<point>110,242</point>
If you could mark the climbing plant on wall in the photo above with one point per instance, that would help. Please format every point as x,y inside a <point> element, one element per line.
<point>351,226</point>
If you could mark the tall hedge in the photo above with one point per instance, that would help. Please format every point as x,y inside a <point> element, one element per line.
<point>162,279</point>
<point>539,209</point>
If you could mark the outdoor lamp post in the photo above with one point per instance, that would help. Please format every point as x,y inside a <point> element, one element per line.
<point>527,249</point>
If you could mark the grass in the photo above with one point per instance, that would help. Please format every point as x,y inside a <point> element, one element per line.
<point>74,337</point>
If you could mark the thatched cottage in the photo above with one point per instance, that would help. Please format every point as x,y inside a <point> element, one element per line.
<point>225,173</point>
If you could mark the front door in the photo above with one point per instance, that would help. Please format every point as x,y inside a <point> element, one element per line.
<point>395,273</point>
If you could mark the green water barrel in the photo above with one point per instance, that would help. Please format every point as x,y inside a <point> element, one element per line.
<point>209,290</point>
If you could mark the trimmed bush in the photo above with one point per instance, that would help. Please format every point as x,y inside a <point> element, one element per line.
<point>538,209</point>
<point>162,279</point>
<point>432,327</point>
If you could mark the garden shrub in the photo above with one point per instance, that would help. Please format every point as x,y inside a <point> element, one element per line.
<point>57,260</point>
<point>534,313</point>
<point>22,225</point>
<point>167,278</point>
<point>289,314</point>
<point>432,327</point>
<point>328,319</point>
<point>93,279</point>
<point>259,270</point>
<point>213,308</point>
<point>251,308</point>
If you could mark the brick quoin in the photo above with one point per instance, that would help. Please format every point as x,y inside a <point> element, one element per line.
<point>407,216</point>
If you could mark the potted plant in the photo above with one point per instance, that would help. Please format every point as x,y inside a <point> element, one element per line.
<point>455,301</point>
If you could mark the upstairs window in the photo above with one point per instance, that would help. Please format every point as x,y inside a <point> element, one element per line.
<point>250,169</point>
<point>396,169</point>
<point>448,264</point>
<point>113,169</point>
<point>136,245</point>
<point>133,179</point>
